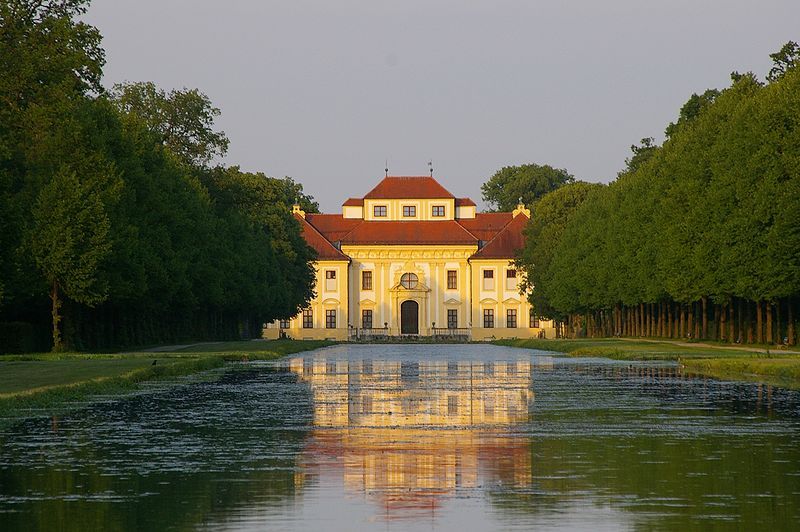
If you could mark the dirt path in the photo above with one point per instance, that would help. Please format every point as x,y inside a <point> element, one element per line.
<point>170,348</point>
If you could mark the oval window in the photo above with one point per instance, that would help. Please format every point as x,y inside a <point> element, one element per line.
<point>409,280</point>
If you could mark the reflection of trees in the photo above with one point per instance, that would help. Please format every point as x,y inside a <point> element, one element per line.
<point>408,433</point>
<point>668,479</point>
<point>79,480</point>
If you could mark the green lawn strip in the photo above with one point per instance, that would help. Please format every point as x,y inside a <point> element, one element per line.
<point>46,382</point>
<point>780,367</point>
<point>53,398</point>
<point>783,372</point>
<point>18,376</point>
<point>255,347</point>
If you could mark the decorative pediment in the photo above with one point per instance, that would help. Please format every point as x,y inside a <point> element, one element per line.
<point>488,301</point>
<point>452,301</point>
<point>410,267</point>
<point>330,301</point>
<point>511,301</point>
<point>419,288</point>
<point>366,303</point>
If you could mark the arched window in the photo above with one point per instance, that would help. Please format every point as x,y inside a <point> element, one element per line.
<point>409,280</point>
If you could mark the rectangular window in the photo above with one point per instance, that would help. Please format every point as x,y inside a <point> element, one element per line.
<point>452,318</point>
<point>437,211</point>
<point>366,280</point>
<point>511,279</point>
<point>409,211</point>
<point>488,318</point>
<point>534,319</point>
<point>330,319</point>
<point>452,279</point>
<point>330,280</point>
<point>308,319</point>
<point>283,324</point>
<point>511,318</point>
<point>488,279</point>
<point>379,211</point>
<point>366,319</point>
<point>452,405</point>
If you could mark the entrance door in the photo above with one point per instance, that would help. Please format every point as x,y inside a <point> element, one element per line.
<point>409,317</point>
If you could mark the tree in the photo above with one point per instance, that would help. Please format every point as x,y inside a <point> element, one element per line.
<point>183,119</point>
<point>785,59</point>
<point>691,110</point>
<point>527,183</point>
<point>69,242</point>
<point>542,235</point>
<point>48,61</point>
<point>641,154</point>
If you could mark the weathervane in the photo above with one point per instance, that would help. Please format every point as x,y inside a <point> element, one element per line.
<point>430,165</point>
<point>386,168</point>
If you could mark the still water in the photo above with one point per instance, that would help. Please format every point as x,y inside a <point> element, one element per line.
<point>415,437</point>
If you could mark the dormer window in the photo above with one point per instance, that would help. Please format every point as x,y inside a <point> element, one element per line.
<point>379,211</point>
<point>437,211</point>
<point>409,211</point>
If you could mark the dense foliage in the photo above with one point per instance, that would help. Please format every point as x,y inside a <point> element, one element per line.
<point>526,183</point>
<point>112,217</point>
<point>698,237</point>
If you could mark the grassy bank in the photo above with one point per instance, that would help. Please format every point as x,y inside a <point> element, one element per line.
<point>744,363</point>
<point>46,383</point>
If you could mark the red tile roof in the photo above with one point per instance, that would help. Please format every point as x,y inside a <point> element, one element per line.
<point>464,202</point>
<point>424,187</point>
<point>353,202</point>
<point>409,233</point>
<point>325,250</point>
<point>486,225</point>
<point>507,242</point>
<point>333,226</point>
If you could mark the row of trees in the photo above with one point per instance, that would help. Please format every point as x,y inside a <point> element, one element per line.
<point>113,218</point>
<point>696,238</point>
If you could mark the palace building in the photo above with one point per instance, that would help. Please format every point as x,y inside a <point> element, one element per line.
<point>409,258</point>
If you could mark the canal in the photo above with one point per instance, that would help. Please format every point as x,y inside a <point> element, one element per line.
<point>414,437</point>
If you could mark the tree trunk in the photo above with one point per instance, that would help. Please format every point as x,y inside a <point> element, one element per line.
<point>57,344</point>
<point>682,332</point>
<point>722,328</point>
<point>704,307</point>
<point>759,324</point>
<point>778,323</point>
<point>769,337</point>
<point>690,320</point>
<point>697,320</point>
<point>790,322</point>
<point>642,319</point>
<point>676,328</point>
<point>731,330</point>
<point>668,331</point>
<point>749,319</point>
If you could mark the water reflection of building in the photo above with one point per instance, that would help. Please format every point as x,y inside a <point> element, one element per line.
<point>409,433</point>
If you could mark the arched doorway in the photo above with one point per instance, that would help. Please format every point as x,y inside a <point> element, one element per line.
<point>409,317</point>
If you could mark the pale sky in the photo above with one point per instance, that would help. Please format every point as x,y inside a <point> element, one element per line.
<point>326,91</point>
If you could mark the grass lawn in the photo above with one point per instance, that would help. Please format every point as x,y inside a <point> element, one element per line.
<point>748,363</point>
<point>17,376</point>
<point>46,381</point>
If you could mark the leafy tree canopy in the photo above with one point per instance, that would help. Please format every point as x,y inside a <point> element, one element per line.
<point>183,119</point>
<point>527,182</point>
<point>785,59</point>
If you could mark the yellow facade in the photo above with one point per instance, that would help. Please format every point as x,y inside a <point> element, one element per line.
<point>450,288</point>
